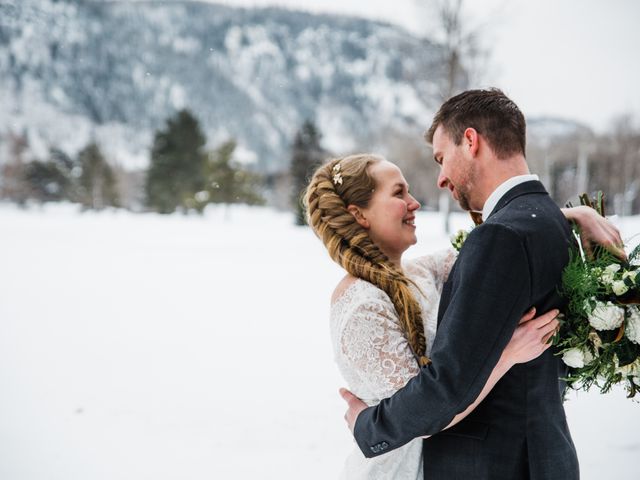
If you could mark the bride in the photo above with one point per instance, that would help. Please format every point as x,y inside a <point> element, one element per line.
<point>384,311</point>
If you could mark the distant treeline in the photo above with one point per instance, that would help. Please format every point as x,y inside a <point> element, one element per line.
<point>183,175</point>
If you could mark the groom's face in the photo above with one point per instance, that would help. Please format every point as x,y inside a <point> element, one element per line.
<point>456,168</point>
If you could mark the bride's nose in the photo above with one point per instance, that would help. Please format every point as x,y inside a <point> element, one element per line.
<point>413,204</point>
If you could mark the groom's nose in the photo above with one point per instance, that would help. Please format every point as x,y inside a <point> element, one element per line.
<point>443,182</point>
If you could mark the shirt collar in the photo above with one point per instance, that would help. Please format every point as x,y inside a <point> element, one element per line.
<point>503,188</point>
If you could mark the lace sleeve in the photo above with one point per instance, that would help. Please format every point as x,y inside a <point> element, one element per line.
<point>374,347</point>
<point>438,264</point>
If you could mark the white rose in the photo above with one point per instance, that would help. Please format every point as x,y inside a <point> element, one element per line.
<point>609,273</point>
<point>633,325</point>
<point>635,262</point>
<point>606,316</point>
<point>612,269</point>
<point>606,280</point>
<point>630,275</point>
<point>574,357</point>
<point>619,287</point>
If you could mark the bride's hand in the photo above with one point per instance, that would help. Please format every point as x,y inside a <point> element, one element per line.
<point>596,230</point>
<point>531,338</point>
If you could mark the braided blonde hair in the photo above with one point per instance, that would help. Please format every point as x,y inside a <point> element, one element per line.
<point>329,193</point>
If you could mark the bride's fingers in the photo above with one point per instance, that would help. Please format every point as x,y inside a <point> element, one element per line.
<point>545,318</point>
<point>347,396</point>
<point>617,250</point>
<point>586,246</point>
<point>613,241</point>
<point>528,316</point>
<point>614,232</point>
<point>549,329</point>
<point>546,340</point>
<point>608,236</point>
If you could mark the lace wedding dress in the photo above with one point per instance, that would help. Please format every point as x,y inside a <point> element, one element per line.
<point>375,359</point>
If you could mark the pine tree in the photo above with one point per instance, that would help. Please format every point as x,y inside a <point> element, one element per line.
<point>221,174</point>
<point>46,181</point>
<point>227,182</point>
<point>177,171</point>
<point>306,157</point>
<point>96,181</point>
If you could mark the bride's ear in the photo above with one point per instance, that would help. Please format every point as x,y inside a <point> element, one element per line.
<point>358,215</point>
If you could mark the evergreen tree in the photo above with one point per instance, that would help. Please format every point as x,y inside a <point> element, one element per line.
<point>306,156</point>
<point>227,182</point>
<point>97,181</point>
<point>71,169</point>
<point>46,182</point>
<point>177,170</point>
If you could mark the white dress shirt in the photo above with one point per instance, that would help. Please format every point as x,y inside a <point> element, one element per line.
<point>503,188</point>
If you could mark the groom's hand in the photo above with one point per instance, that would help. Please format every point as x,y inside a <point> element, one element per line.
<point>355,407</point>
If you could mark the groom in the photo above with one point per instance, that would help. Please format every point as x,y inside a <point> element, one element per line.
<point>511,262</point>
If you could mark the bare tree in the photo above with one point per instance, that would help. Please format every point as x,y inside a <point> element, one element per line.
<point>12,185</point>
<point>463,56</point>
<point>624,144</point>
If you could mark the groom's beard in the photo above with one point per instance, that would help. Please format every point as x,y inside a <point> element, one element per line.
<point>463,191</point>
<point>463,199</point>
<point>465,187</point>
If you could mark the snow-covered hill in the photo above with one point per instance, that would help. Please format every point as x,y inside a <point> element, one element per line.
<point>74,70</point>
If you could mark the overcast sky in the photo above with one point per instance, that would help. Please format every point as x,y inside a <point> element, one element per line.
<point>577,59</point>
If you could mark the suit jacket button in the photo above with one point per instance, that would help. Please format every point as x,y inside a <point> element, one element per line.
<point>384,445</point>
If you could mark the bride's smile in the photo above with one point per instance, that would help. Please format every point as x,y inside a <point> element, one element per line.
<point>389,217</point>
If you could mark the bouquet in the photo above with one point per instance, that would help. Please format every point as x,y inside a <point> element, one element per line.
<point>599,336</point>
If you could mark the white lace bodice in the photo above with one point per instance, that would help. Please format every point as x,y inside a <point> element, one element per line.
<point>375,358</point>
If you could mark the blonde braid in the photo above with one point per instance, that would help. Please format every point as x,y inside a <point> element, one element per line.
<point>350,245</point>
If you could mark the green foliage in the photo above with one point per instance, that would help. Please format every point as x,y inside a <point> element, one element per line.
<point>581,279</point>
<point>96,182</point>
<point>177,170</point>
<point>228,182</point>
<point>635,253</point>
<point>307,155</point>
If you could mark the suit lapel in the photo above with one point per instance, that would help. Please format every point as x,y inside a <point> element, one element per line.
<point>447,288</point>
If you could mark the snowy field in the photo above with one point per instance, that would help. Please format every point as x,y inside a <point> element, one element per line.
<point>185,347</point>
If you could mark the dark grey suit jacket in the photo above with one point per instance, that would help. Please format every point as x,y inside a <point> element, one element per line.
<point>511,262</point>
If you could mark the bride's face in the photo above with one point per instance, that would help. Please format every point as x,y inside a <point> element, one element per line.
<point>389,217</point>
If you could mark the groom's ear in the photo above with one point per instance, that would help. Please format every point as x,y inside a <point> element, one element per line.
<point>470,139</point>
<point>358,215</point>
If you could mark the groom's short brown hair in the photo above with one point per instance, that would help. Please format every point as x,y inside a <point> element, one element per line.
<point>491,113</point>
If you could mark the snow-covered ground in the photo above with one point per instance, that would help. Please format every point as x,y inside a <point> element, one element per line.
<point>184,347</point>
